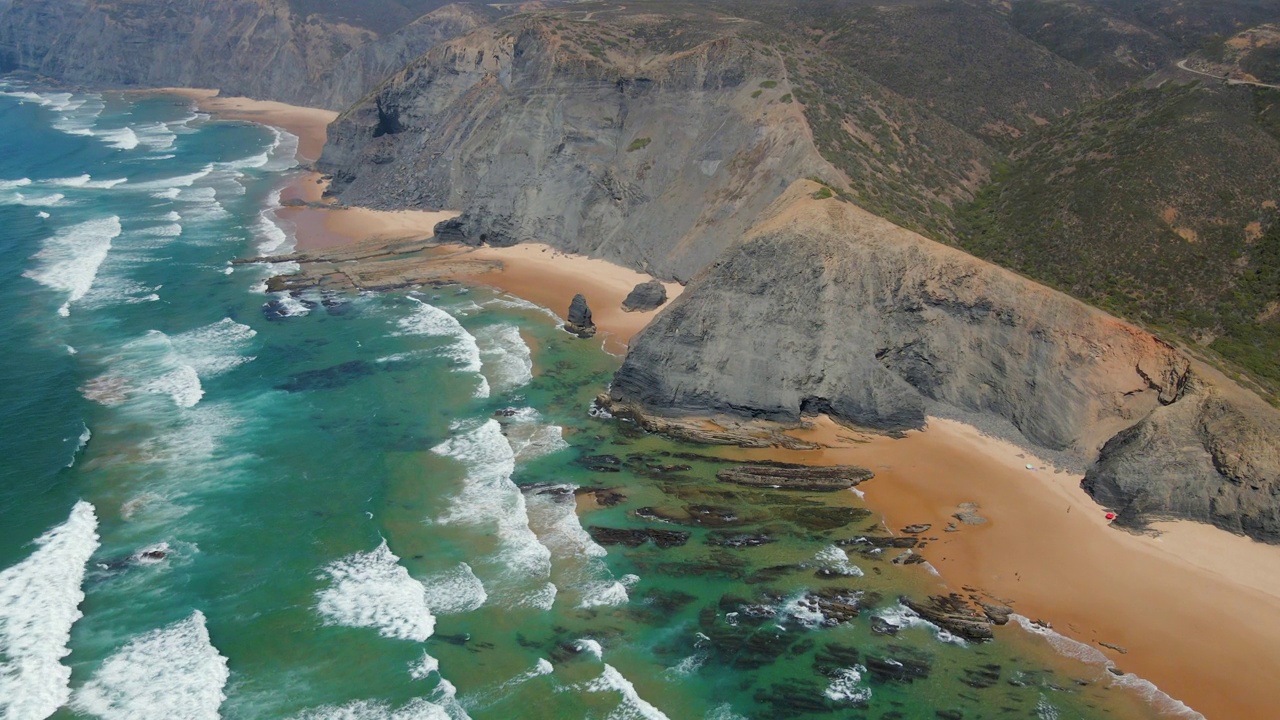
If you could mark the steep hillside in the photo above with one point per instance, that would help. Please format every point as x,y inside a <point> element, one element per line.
<point>825,308</point>
<point>1156,205</point>
<point>962,60</point>
<point>258,48</point>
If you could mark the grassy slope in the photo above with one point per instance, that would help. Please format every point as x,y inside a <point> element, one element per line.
<point>1152,205</point>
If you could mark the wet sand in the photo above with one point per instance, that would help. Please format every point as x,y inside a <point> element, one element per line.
<point>307,123</point>
<point>1194,607</point>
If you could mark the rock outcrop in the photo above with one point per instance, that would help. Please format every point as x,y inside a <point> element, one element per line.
<point>1213,456</point>
<point>579,320</point>
<point>653,154</point>
<point>645,296</point>
<point>824,308</point>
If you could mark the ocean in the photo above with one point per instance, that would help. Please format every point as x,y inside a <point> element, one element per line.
<point>377,505</point>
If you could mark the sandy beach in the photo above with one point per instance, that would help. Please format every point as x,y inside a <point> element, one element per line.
<point>1193,608</point>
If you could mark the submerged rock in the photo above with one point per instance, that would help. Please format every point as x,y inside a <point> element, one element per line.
<point>645,296</point>
<point>579,321</point>
<point>635,537</point>
<point>796,477</point>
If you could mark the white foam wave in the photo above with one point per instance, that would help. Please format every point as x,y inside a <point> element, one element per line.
<point>419,709</point>
<point>1147,690</point>
<point>39,602</point>
<point>530,438</point>
<point>120,138</point>
<point>505,356</point>
<point>273,239</point>
<point>454,591</point>
<point>42,215</point>
<point>589,645</point>
<point>422,668</point>
<point>373,590</point>
<point>632,707</point>
<point>489,499</point>
<point>215,348</point>
<point>283,151</point>
<point>835,560</point>
<point>69,260</point>
<point>514,303</point>
<point>26,200</point>
<point>845,688</point>
<point>11,184</point>
<point>902,616</point>
<point>81,443</point>
<point>167,673</point>
<point>171,183</point>
<point>553,514</point>
<point>155,136</point>
<point>432,321</point>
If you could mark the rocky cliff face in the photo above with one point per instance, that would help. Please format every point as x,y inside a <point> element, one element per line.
<point>825,308</point>
<point>656,157</point>
<point>256,48</point>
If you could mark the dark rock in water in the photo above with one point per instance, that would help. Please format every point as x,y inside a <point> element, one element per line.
<point>998,614</point>
<point>948,714</point>
<point>881,541</point>
<point>645,296</point>
<point>834,657</point>
<point>905,666</point>
<point>274,310</point>
<point>796,477</point>
<point>601,463</point>
<point>605,497</point>
<point>792,698</point>
<point>326,378</point>
<point>770,574</point>
<point>506,412</point>
<point>953,614</point>
<point>880,626</point>
<point>822,518</point>
<point>982,677</point>
<point>836,605</point>
<point>636,537</point>
<point>738,541</point>
<point>153,555</point>
<point>917,528</point>
<point>579,321</point>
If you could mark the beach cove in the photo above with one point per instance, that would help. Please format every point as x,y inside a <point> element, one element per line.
<point>501,432</point>
<point>1117,595</point>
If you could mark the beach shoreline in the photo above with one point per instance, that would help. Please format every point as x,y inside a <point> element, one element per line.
<point>1189,607</point>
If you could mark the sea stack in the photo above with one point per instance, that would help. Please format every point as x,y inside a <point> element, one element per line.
<point>579,322</point>
<point>645,296</point>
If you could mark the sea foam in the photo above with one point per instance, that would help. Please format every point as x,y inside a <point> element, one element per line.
<point>39,602</point>
<point>553,514</point>
<point>489,499</point>
<point>373,590</point>
<point>167,673</point>
<point>454,591</point>
<point>632,707</point>
<point>505,356</point>
<point>432,321</point>
<point>68,261</point>
<point>1153,695</point>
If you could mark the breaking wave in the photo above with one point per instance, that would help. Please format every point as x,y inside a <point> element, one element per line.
<point>68,261</point>
<point>373,590</point>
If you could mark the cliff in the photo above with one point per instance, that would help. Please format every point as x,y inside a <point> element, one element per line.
<point>824,308</point>
<point>256,48</point>
<point>655,157</point>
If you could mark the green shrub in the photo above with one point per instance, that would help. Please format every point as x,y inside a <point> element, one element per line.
<point>769,84</point>
<point>639,144</point>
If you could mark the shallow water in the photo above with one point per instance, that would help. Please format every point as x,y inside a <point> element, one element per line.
<point>365,508</point>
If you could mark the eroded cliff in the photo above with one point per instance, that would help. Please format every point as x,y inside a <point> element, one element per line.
<point>655,157</point>
<point>256,48</point>
<point>824,308</point>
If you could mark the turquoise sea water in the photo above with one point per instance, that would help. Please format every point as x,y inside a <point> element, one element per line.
<point>365,508</point>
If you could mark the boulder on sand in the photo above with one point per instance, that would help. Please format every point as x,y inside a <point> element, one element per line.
<point>645,296</point>
<point>579,322</point>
